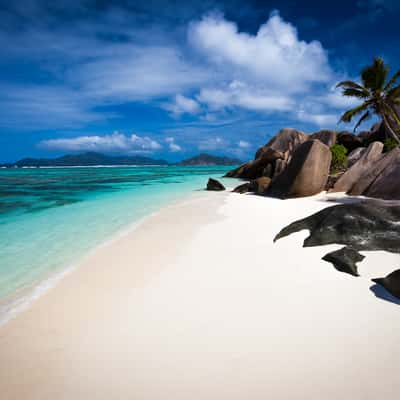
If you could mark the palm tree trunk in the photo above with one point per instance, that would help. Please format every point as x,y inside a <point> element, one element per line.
<point>390,128</point>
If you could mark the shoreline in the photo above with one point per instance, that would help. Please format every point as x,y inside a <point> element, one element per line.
<point>198,302</point>
<point>19,301</point>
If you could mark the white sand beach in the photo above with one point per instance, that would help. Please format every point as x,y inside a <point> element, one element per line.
<point>199,303</point>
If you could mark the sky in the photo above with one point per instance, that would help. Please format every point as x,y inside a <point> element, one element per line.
<point>171,79</point>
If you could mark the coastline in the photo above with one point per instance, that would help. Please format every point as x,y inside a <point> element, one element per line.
<point>24,297</point>
<point>198,302</point>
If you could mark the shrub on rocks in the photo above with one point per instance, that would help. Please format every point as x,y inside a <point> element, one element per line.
<point>339,158</point>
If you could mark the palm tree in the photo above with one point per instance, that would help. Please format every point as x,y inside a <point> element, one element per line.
<point>380,97</point>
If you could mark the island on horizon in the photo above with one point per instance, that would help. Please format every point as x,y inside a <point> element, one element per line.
<point>97,159</point>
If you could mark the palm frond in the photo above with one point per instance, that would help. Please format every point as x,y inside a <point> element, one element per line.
<point>348,115</point>
<point>393,93</point>
<point>391,112</point>
<point>364,117</point>
<point>392,81</point>
<point>360,94</point>
<point>349,84</point>
<point>374,76</point>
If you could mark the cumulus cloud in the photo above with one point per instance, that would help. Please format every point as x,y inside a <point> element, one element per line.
<point>238,94</point>
<point>209,74</point>
<point>116,142</point>
<point>182,104</point>
<point>274,56</point>
<point>173,147</point>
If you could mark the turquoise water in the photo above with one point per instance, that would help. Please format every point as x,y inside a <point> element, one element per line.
<point>50,217</point>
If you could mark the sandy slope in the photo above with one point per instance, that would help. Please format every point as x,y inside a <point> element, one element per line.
<point>198,303</point>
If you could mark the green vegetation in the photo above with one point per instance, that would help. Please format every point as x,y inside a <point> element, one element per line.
<point>389,144</point>
<point>339,158</point>
<point>379,94</point>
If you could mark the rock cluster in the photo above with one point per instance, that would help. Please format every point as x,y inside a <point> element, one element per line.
<point>298,165</point>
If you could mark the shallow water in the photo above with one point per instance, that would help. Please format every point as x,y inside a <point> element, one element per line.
<point>50,217</point>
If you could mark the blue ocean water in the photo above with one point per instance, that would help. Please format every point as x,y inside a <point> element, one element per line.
<point>50,217</point>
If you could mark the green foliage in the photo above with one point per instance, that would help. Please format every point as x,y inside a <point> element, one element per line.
<point>339,158</point>
<point>389,144</point>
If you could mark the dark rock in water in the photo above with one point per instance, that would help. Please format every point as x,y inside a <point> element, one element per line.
<point>373,182</point>
<point>254,169</point>
<point>349,140</point>
<point>260,185</point>
<point>285,141</point>
<point>391,283</point>
<point>327,137</point>
<point>213,184</point>
<point>307,172</point>
<point>355,155</point>
<point>365,164</point>
<point>366,225</point>
<point>243,188</point>
<point>345,260</point>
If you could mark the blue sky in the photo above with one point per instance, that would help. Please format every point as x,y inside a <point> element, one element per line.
<point>171,79</point>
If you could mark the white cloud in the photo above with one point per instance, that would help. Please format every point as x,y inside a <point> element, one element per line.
<point>173,147</point>
<point>275,56</point>
<point>212,72</point>
<point>182,104</point>
<point>213,143</point>
<point>243,144</point>
<point>240,95</point>
<point>321,120</point>
<point>116,142</point>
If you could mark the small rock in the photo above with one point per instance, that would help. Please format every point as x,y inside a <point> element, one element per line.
<point>243,188</point>
<point>345,260</point>
<point>215,185</point>
<point>391,283</point>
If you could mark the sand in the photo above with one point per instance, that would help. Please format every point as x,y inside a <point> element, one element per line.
<point>199,303</point>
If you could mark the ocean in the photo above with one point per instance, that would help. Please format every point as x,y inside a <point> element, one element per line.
<point>51,217</point>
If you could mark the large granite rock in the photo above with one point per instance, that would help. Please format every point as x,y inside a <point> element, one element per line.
<point>355,155</point>
<point>376,134</point>
<point>391,283</point>
<point>307,172</point>
<point>285,141</point>
<point>327,137</point>
<point>271,158</point>
<point>365,182</point>
<point>260,185</point>
<point>366,162</point>
<point>254,169</point>
<point>215,185</point>
<point>387,184</point>
<point>349,140</point>
<point>345,260</point>
<point>365,225</point>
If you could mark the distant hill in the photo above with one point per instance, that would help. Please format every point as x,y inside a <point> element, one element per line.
<point>207,159</point>
<point>86,159</point>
